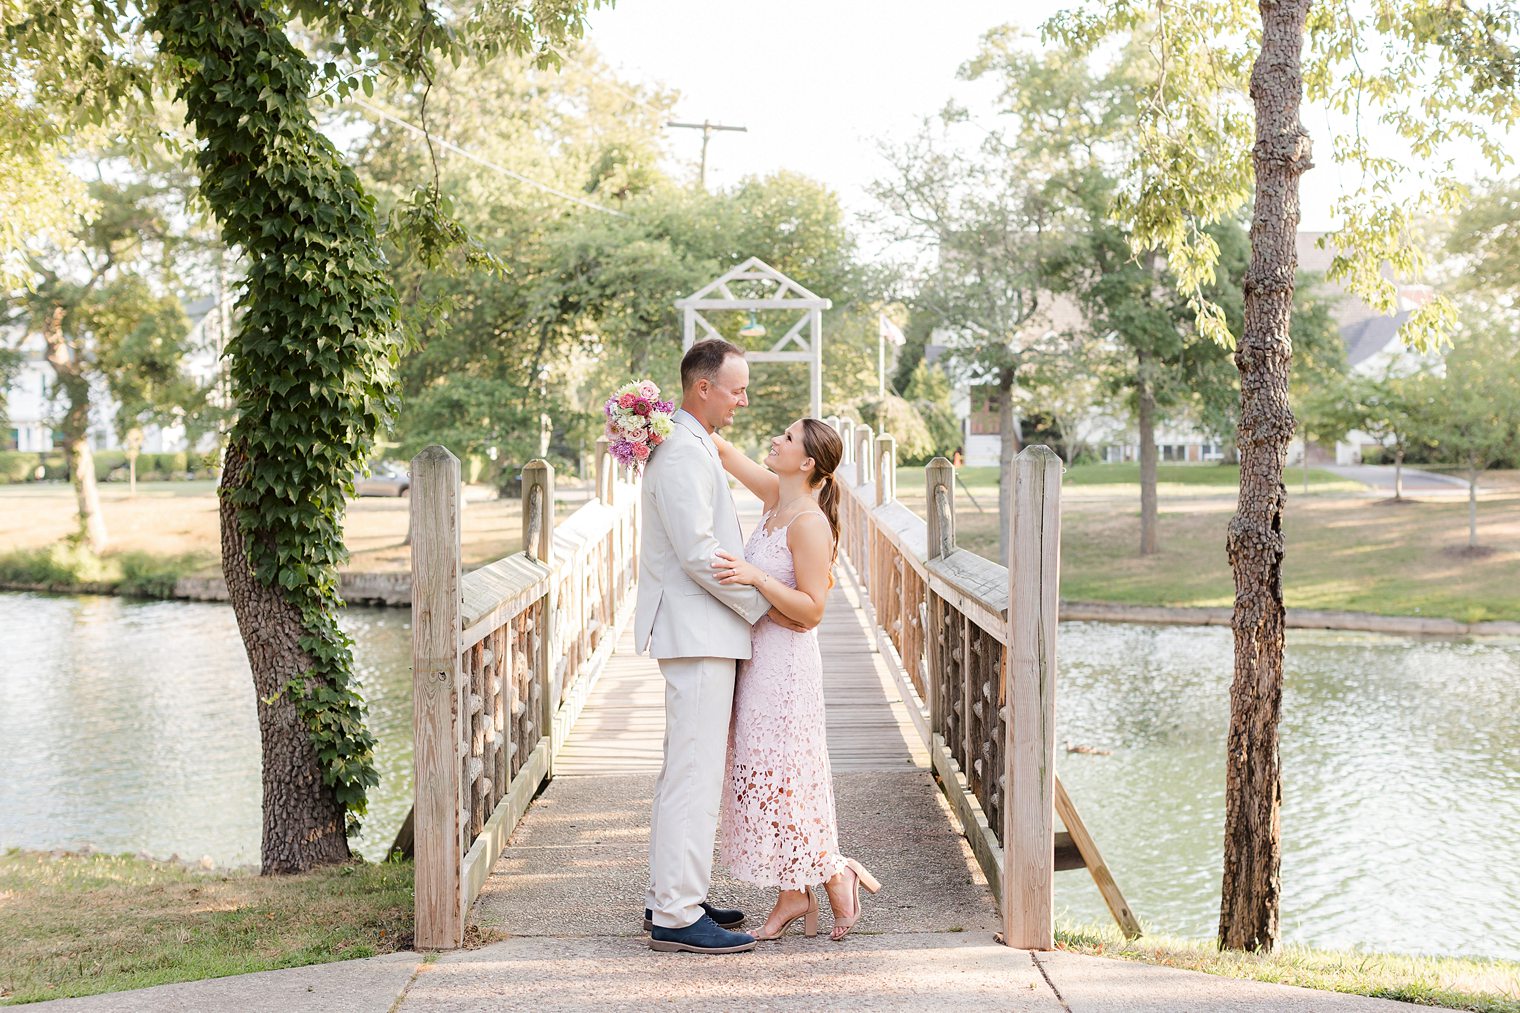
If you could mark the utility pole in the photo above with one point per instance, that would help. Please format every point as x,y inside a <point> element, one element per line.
<point>707,127</point>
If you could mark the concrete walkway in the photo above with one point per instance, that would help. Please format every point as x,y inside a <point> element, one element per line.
<point>563,905</point>
<point>909,972</point>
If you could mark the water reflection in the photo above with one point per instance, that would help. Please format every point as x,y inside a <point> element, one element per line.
<point>131,726</point>
<point>1401,783</point>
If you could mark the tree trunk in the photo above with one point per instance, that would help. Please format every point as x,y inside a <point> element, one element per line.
<point>1145,397</point>
<point>1249,901</point>
<point>1398,473</point>
<point>1472,508</point>
<point>304,826</point>
<point>1008,449</point>
<point>1306,464</point>
<point>67,364</point>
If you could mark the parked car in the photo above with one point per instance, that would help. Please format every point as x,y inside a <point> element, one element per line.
<point>384,479</point>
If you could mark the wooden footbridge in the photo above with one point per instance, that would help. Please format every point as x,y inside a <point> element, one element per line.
<point>538,729</point>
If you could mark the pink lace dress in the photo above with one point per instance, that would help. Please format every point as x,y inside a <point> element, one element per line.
<point>778,823</point>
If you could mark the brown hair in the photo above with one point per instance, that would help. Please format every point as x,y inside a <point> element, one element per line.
<point>823,445</point>
<point>703,360</point>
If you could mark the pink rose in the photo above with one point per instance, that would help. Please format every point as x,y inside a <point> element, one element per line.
<point>641,452</point>
<point>637,436</point>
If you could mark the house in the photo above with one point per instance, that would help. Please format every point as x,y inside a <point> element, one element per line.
<point>1372,348</point>
<point>32,409</point>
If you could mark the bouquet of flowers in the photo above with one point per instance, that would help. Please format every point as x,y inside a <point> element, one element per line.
<point>637,421</point>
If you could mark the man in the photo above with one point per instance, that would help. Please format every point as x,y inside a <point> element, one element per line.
<point>697,629</point>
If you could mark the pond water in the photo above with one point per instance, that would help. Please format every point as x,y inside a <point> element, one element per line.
<point>130,726</point>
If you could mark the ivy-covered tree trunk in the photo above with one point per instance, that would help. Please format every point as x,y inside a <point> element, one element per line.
<point>311,371</point>
<point>304,823</point>
<point>1253,790</point>
<point>65,358</point>
<point>1145,415</point>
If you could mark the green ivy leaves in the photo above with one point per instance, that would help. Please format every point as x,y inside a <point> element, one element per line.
<point>313,363</point>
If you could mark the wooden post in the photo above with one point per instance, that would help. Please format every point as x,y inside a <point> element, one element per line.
<point>538,509</point>
<point>886,468</point>
<point>939,490</point>
<point>863,464</point>
<point>847,436</point>
<point>604,473</point>
<point>538,542</point>
<point>1034,565</point>
<point>437,699</point>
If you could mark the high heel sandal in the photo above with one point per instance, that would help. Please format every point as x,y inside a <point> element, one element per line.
<point>809,921</point>
<point>862,879</point>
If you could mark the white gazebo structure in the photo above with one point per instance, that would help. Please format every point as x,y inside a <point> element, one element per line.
<point>754,286</point>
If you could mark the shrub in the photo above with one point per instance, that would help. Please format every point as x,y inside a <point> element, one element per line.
<point>165,465</point>
<point>148,576</point>
<point>107,461</point>
<point>915,443</point>
<point>62,565</point>
<point>55,466</point>
<point>16,466</point>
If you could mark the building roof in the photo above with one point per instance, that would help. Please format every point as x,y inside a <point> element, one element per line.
<point>1367,337</point>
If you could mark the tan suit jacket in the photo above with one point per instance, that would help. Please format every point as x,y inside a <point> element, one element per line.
<point>682,611</point>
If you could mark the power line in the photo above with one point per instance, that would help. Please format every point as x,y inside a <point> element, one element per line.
<point>487,163</point>
<point>608,82</point>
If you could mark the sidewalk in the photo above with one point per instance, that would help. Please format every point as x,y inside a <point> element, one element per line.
<point>910,972</point>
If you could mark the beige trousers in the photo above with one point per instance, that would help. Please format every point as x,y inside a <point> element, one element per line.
<point>699,700</point>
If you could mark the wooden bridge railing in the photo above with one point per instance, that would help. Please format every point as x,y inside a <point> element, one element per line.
<point>502,657</point>
<point>973,644</point>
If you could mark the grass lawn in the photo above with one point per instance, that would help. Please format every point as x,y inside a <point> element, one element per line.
<point>1485,986</point>
<point>1347,549</point>
<point>179,519</point>
<point>75,925</point>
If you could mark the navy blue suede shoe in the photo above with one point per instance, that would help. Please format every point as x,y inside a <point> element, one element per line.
<point>702,936</point>
<point>727,918</point>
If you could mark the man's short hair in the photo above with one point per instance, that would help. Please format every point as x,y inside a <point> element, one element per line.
<point>703,360</point>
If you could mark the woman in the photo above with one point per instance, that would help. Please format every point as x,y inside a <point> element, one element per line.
<point>778,823</point>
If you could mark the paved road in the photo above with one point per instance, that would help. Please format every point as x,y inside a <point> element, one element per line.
<point>1380,476</point>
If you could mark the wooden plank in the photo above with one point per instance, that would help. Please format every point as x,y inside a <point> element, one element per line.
<point>904,530</point>
<point>1029,757</point>
<point>498,591</point>
<point>1087,848</point>
<point>437,690</point>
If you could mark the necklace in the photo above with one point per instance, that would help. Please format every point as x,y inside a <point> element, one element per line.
<point>782,506</point>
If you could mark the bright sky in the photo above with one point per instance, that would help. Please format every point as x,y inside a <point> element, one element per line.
<point>821,84</point>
